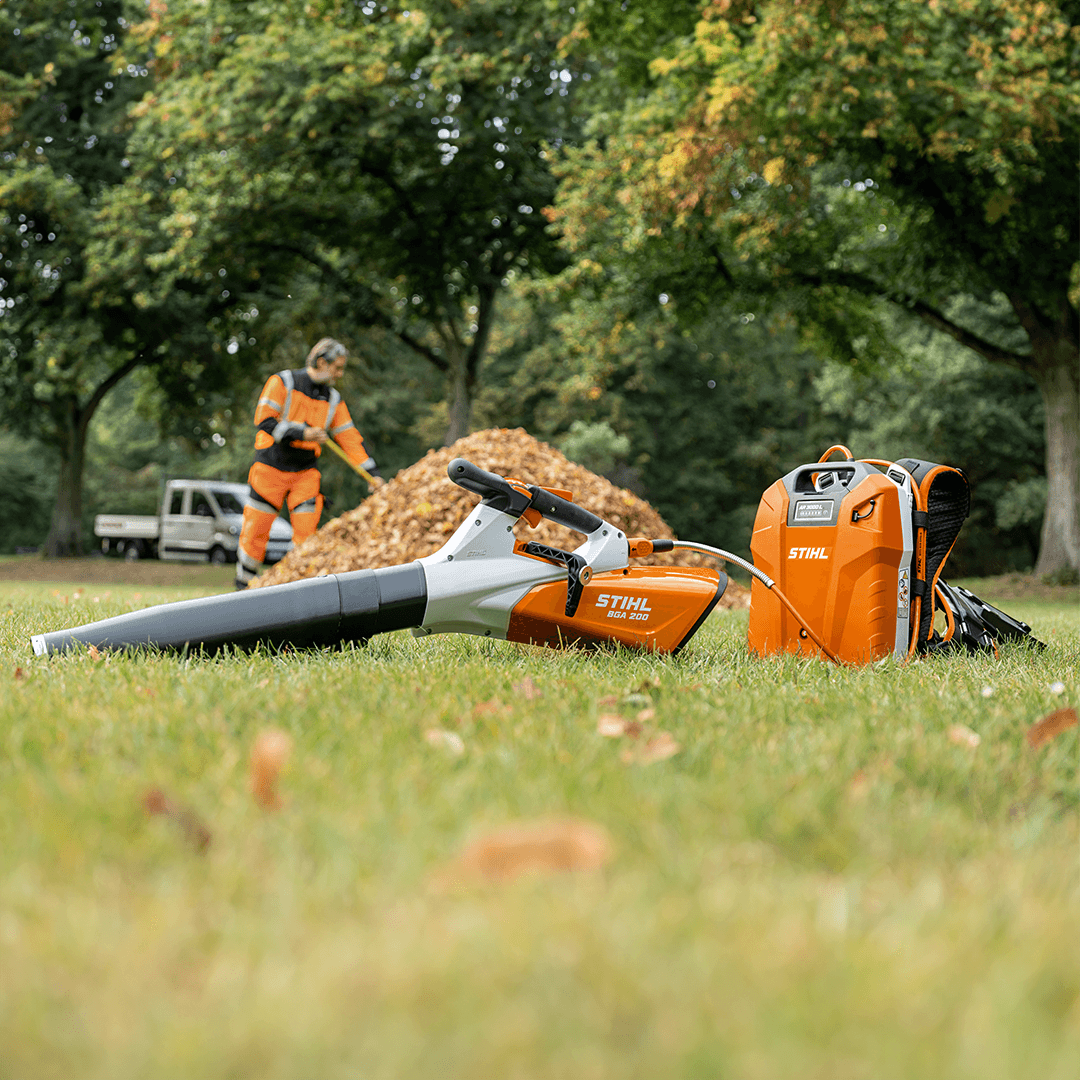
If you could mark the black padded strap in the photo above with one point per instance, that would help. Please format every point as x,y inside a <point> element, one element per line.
<point>947,500</point>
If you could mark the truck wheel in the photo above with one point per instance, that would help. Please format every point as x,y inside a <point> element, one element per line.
<point>218,555</point>
<point>132,552</point>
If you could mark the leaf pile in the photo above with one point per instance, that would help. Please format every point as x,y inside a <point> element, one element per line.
<point>415,513</point>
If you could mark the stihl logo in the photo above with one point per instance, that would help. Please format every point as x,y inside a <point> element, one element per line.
<point>624,607</point>
<point>808,553</point>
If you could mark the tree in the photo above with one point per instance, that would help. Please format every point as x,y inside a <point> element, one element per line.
<point>396,153</point>
<point>837,153</point>
<point>71,329</point>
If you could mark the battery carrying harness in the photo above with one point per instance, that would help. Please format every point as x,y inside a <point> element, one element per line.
<point>942,504</point>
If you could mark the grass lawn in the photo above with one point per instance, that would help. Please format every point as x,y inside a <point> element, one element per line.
<point>841,873</point>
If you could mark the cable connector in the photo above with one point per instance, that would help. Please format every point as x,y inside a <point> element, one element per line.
<point>640,547</point>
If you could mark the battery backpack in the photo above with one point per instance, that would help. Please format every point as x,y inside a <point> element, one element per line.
<point>858,546</point>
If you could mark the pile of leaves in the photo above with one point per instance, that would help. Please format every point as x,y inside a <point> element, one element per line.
<point>415,513</point>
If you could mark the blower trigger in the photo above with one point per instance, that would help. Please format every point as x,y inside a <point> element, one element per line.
<point>578,571</point>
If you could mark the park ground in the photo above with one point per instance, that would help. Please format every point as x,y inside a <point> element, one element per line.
<point>749,868</point>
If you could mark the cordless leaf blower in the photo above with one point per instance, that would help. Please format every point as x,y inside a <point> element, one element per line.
<point>859,547</point>
<point>482,581</point>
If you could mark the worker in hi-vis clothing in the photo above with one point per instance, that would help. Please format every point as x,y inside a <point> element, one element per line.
<point>297,412</point>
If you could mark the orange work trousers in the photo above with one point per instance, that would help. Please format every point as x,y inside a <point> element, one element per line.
<point>270,488</point>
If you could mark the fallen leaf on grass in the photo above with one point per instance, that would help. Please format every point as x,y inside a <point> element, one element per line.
<point>547,846</point>
<point>646,715</point>
<point>95,654</point>
<point>195,830</point>
<point>859,787</point>
<point>659,748</point>
<point>612,726</point>
<point>19,674</point>
<point>268,756</point>
<point>527,689</point>
<point>1050,726</point>
<point>964,736</point>
<point>491,707</point>
<point>445,740</point>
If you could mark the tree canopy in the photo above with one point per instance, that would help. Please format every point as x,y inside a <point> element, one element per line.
<point>835,154</point>
<point>396,151</point>
<point>687,241</point>
<point>75,320</point>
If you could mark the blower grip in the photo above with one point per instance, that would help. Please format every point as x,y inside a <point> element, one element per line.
<point>494,490</point>
<point>557,509</point>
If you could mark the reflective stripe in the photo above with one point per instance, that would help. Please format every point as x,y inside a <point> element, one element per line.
<point>246,562</point>
<point>260,505</point>
<point>331,408</point>
<point>287,379</point>
<point>341,427</point>
<point>285,428</point>
<point>307,507</point>
<point>369,464</point>
<point>276,405</point>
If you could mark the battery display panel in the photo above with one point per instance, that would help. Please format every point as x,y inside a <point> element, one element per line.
<point>813,512</point>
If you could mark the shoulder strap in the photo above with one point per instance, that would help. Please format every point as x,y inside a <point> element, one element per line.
<point>946,499</point>
<point>287,378</point>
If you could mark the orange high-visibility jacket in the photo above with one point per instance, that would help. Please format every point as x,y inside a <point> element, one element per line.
<point>291,401</point>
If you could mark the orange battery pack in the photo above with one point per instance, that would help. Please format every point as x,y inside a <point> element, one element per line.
<point>837,540</point>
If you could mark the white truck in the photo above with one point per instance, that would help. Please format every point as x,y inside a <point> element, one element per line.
<point>199,521</point>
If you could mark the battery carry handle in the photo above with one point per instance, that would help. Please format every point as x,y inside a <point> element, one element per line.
<point>513,499</point>
<point>804,486</point>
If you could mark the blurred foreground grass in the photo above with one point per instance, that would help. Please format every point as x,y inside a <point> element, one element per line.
<point>857,873</point>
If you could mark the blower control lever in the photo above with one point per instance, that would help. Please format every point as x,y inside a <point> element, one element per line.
<point>578,571</point>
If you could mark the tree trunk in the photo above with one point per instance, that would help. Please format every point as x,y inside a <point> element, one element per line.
<point>1055,366</point>
<point>1059,546</point>
<point>461,393</point>
<point>465,365</point>
<point>65,529</point>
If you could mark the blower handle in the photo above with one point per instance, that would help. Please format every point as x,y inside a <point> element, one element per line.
<point>494,490</point>
<point>562,511</point>
<point>515,499</point>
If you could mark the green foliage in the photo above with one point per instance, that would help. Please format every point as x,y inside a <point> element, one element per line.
<point>948,405</point>
<point>28,480</point>
<point>595,445</point>
<point>76,230</point>
<point>823,157</point>
<point>394,155</point>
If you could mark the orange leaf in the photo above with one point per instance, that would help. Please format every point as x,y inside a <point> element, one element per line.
<point>156,802</point>
<point>527,689</point>
<point>610,726</point>
<point>268,756</point>
<point>1050,726</point>
<point>551,846</point>
<point>964,736</point>
<point>445,740</point>
<point>660,747</point>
